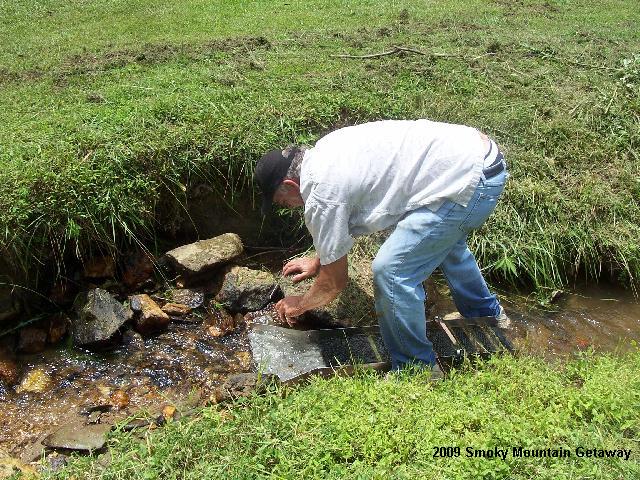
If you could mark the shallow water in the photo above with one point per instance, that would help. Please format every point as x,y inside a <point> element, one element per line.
<point>605,318</point>
<point>184,365</point>
<point>181,366</point>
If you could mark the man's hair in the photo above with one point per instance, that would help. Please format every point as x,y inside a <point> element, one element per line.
<point>296,164</point>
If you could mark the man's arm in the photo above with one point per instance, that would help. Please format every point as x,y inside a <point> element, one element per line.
<point>331,280</point>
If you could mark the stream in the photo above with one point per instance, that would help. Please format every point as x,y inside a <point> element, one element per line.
<point>182,366</point>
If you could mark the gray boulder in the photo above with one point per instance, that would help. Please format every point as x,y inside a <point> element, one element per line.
<point>99,318</point>
<point>245,290</point>
<point>205,255</point>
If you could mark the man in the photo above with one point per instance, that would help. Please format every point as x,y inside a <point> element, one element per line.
<point>435,182</point>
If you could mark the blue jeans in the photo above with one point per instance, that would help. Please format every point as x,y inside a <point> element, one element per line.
<point>423,240</point>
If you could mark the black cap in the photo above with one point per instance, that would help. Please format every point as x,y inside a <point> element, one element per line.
<point>271,170</point>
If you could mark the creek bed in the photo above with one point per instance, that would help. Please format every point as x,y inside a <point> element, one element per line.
<point>185,364</point>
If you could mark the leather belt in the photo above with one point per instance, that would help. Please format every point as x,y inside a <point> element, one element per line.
<point>495,168</point>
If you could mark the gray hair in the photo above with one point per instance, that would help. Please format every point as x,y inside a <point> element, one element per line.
<point>296,163</point>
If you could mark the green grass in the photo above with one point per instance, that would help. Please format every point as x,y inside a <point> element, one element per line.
<point>113,111</point>
<point>368,427</point>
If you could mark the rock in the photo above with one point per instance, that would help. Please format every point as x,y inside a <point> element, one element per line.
<point>33,452</point>
<point>10,307</point>
<point>137,270</point>
<point>100,267</point>
<point>221,322</point>
<point>242,385</point>
<point>9,372</point>
<point>265,316</point>
<point>186,296</point>
<point>168,412</point>
<point>150,319</point>
<point>133,340</point>
<point>57,461</point>
<point>245,360</point>
<point>100,316</point>
<point>135,423</point>
<point>10,465</point>
<point>120,399</point>
<point>176,310</point>
<point>32,339</point>
<point>58,326</point>
<point>78,437</point>
<point>245,290</point>
<point>36,381</point>
<point>205,255</point>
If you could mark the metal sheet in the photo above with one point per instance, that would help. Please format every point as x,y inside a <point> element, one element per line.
<point>290,353</point>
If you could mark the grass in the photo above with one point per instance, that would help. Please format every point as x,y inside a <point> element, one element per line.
<point>113,111</point>
<point>368,427</point>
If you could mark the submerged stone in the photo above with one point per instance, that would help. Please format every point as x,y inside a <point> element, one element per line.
<point>78,437</point>
<point>246,290</point>
<point>36,381</point>
<point>99,317</point>
<point>32,340</point>
<point>187,296</point>
<point>221,323</point>
<point>132,340</point>
<point>205,255</point>
<point>176,310</point>
<point>9,371</point>
<point>150,317</point>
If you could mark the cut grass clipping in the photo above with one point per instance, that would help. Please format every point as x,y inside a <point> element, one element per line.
<point>113,111</point>
<point>368,427</point>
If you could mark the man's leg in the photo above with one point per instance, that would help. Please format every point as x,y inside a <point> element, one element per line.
<point>468,287</point>
<point>420,242</point>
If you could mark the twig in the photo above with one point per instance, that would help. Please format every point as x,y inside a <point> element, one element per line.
<point>396,49</point>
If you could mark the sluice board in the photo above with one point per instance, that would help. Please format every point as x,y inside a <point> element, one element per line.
<point>293,355</point>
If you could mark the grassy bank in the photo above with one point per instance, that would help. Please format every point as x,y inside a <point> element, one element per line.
<point>368,427</point>
<point>113,111</point>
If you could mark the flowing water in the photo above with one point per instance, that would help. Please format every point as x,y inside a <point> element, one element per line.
<point>185,364</point>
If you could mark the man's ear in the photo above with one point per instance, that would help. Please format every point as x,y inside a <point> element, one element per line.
<point>291,183</point>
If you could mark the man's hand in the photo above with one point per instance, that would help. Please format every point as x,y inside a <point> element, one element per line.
<point>305,268</point>
<point>289,308</point>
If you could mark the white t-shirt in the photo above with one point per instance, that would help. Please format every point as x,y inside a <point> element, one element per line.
<point>363,179</point>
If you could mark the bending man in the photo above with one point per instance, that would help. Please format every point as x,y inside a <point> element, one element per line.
<point>433,182</point>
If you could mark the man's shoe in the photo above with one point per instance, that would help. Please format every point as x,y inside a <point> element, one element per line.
<point>504,322</point>
<point>437,373</point>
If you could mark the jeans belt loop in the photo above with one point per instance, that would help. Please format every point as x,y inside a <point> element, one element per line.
<point>495,168</point>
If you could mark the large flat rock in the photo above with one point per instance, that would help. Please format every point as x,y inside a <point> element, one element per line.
<point>78,437</point>
<point>205,255</point>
